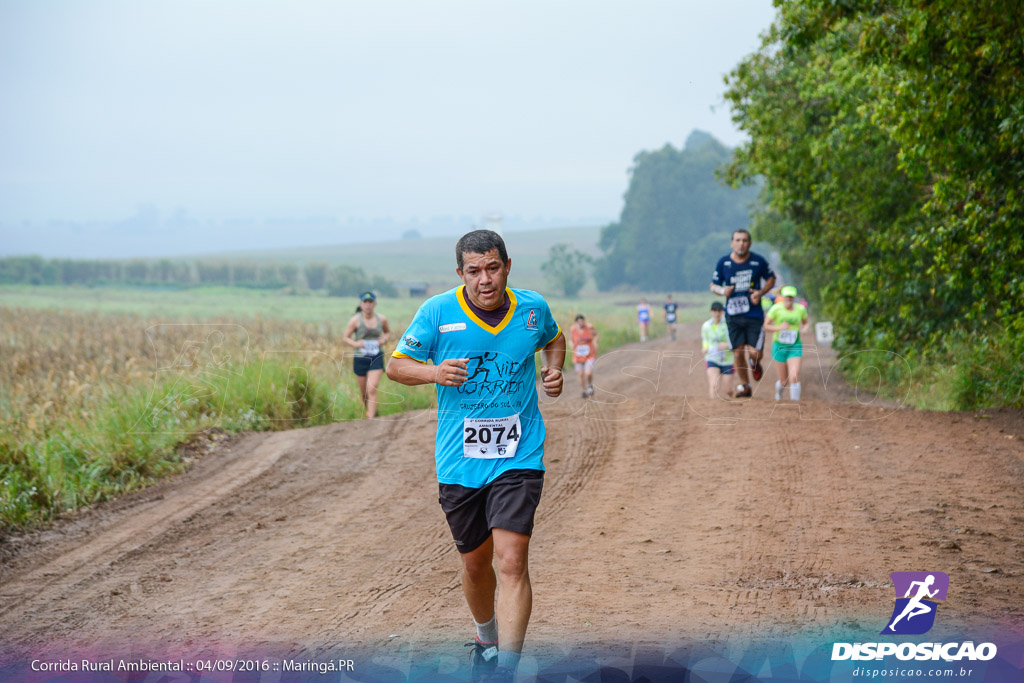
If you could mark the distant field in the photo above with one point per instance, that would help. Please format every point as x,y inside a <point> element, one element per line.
<point>234,302</point>
<point>430,259</point>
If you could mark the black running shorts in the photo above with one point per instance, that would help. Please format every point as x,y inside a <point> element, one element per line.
<point>509,502</point>
<point>363,364</point>
<point>746,331</point>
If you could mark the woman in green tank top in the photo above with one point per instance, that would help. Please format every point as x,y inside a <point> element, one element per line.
<point>789,321</point>
<point>367,333</point>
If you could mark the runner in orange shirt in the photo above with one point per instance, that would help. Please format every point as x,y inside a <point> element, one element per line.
<point>584,352</point>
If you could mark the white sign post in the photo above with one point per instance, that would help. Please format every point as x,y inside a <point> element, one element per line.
<point>823,333</point>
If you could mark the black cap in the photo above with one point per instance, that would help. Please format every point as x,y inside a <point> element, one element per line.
<point>717,306</point>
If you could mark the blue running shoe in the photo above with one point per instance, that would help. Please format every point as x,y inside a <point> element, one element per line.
<point>483,658</point>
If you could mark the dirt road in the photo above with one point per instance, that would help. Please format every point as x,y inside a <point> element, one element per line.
<point>667,516</point>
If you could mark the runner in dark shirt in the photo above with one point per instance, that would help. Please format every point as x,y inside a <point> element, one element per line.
<point>743,277</point>
<point>670,317</point>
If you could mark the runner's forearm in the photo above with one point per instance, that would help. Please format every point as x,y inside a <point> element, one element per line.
<point>411,372</point>
<point>553,354</point>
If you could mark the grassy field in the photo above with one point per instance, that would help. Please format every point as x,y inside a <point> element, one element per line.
<point>431,259</point>
<point>100,388</point>
<point>612,314</point>
<point>211,302</point>
<point>96,404</point>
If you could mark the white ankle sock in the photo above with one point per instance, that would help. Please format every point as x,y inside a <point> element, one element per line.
<point>794,391</point>
<point>488,631</point>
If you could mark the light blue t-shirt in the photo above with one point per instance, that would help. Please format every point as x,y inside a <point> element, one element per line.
<point>491,423</point>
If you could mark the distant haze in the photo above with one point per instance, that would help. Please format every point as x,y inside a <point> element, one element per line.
<point>159,128</point>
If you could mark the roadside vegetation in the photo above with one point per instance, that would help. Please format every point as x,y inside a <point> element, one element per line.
<point>888,137</point>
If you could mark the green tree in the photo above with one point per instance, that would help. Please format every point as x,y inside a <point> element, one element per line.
<point>136,271</point>
<point>213,273</point>
<point>316,275</point>
<point>289,273</point>
<point>565,269</point>
<point>353,281</point>
<point>673,201</point>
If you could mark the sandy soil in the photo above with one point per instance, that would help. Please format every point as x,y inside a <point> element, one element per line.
<point>667,516</point>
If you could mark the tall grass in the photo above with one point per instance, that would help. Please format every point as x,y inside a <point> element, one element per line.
<point>963,371</point>
<point>95,405</point>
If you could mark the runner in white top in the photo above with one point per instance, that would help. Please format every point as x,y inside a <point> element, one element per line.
<point>718,356</point>
<point>643,317</point>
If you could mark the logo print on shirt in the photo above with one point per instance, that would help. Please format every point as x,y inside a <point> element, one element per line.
<point>531,320</point>
<point>492,374</point>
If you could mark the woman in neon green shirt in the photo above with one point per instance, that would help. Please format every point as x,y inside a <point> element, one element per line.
<point>787,320</point>
<point>714,334</point>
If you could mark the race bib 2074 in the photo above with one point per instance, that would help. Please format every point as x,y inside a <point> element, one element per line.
<point>491,437</point>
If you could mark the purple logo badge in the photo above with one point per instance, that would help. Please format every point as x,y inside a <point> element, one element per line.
<point>917,596</point>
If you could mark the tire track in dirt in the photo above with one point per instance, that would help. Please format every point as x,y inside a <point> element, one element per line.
<point>417,545</point>
<point>581,448</point>
<point>579,445</point>
<point>82,563</point>
<point>778,499</point>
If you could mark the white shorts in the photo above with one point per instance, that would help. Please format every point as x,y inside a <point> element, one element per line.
<point>587,365</point>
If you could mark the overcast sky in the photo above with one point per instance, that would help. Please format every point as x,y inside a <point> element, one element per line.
<point>351,110</point>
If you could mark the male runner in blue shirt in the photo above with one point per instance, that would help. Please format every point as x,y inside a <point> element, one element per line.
<point>482,337</point>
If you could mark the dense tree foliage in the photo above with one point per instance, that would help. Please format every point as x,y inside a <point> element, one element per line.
<point>352,281</point>
<point>889,135</point>
<point>676,221</point>
<point>565,269</point>
<point>316,275</point>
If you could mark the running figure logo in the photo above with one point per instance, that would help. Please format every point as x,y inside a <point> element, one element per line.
<point>914,613</point>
